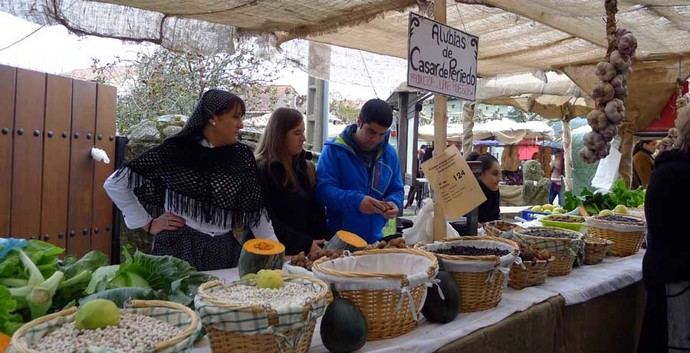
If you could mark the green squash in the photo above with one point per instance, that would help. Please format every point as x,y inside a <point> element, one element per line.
<point>343,327</point>
<point>444,310</point>
<point>261,254</point>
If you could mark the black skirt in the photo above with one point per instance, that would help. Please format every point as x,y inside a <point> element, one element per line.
<point>201,250</point>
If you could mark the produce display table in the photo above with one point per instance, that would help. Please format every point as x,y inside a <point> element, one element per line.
<point>593,309</point>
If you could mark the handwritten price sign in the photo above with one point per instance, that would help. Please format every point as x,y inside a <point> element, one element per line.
<point>454,185</point>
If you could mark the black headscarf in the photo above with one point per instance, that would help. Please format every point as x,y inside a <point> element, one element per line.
<point>207,184</point>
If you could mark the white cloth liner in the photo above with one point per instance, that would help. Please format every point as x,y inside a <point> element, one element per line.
<point>414,267</point>
<point>615,226</point>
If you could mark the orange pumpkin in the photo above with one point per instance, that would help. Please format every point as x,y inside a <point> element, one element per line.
<point>4,342</point>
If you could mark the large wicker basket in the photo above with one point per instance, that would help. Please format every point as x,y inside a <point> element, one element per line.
<point>529,273</point>
<point>595,249</point>
<point>564,246</point>
<point>626,238</point>
<point>176,314</point>
<point>234,328</point>
<point>387,285</point>
<point>480,279</point>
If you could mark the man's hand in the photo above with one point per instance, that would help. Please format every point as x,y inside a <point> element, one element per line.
<point>315,247</point>
<point>371,205</point>
<point>392,211</point>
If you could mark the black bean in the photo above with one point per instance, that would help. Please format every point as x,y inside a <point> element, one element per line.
<point>471,251</point>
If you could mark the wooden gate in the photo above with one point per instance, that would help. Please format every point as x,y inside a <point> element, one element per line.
<point>50,187</point>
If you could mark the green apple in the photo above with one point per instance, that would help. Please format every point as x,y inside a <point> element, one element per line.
<point>620,209</point>
<point>548,206</point>
<point>537,209</point>
<point>605,213</point>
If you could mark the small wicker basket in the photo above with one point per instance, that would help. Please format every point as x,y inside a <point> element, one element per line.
<point>497,228</point>
<point>529,273</point>
<point>564,248</point>
<point>173,313</point>
<point>595,249</point>
<point>480,279</point>
<point>389,312</point>
<point>627,238</point>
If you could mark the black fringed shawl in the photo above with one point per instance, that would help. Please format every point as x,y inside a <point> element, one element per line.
<point>206,184</point>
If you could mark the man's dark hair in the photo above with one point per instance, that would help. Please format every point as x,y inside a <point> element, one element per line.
<point>377,111</point>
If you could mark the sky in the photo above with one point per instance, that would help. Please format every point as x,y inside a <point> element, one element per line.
<point>52,49</point>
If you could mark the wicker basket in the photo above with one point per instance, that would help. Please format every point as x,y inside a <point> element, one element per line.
<point>529,273</point>
<point>595,249</point>
<point>564,249</point>
<point>271,331</point>
<point>480,279</point>
<point>497,228</point>
<point>173,313</point>
<point>389,312</point>
<point>626,238</point>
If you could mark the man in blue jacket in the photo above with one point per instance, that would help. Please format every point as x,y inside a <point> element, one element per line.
<point>358,175</point>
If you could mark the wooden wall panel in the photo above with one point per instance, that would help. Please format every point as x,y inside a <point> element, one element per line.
<point>101,238</point>
<point>81,167</point>
<point>8,79</point>
<point>56,160</point>
<point>28,154</point>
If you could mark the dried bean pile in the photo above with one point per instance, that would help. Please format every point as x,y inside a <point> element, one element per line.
<point>622,219</point>
<point>547,233</point>
<point>471,251</point>
<point>292,293</point>
<point>134,333</point>
<point>567,219</point>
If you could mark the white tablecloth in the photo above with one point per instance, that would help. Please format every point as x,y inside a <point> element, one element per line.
<point>584,283</point>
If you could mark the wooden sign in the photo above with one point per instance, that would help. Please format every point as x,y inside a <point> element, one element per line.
<point>441,59</point>
<point>455,186</point>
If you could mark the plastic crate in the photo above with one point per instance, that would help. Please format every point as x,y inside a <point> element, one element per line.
<point>528,215</point>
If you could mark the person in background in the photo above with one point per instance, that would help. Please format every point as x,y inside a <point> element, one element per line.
<point>488,180</point>
<point>197,193</point>
<point>415,187</point>
<point>289,181</point>
<point>358,175</point>
<point>666,263</point>
<point>556,188</point>
<point>643,163</point>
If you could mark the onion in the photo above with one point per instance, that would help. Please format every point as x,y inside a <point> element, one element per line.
<point>622,64</point>
<point>605,71</point>
<point>603,92</point>
<point>615,110</point>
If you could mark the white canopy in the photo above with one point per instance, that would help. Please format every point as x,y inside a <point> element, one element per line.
<point>506,131</point>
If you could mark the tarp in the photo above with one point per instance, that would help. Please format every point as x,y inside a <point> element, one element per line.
<point>506,131</point>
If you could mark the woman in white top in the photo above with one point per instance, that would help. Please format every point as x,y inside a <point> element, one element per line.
<point>197,193</point>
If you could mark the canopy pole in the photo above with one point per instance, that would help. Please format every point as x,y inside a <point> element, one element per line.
<point>468,111</point>
<point>440,117</point>
<point>567,154</point>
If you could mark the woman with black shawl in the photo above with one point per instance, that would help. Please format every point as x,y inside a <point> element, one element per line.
<point>197,193</point>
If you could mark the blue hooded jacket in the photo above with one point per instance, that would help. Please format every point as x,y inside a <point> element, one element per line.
<point>344,178</point>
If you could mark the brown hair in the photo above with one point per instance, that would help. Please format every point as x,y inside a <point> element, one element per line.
<point>271,147</point>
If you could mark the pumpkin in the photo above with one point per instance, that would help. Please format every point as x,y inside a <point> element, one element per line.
<point>344,240</point>
<point>343,326</point>
<point>443,310</point>
<point>4,342</point>
<point>261,254</point>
